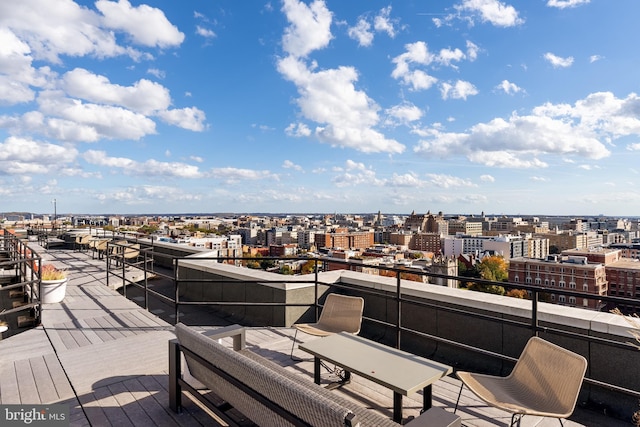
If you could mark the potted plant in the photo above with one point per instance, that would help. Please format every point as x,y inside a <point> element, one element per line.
<point>53,284</point>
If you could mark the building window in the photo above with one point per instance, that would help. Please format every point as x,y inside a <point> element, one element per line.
<point>561,283</point>
<point>572,300</point>
<point>572,285</point>
<point>528,280</point>
<point>553,282</point>
<point>585,302</point>
<point>561,299</point>
<point>538,281</point>
<point>546,282</point>
<point>585,287</point>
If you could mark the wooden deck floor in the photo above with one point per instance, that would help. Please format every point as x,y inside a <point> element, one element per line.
<point>107,358</point>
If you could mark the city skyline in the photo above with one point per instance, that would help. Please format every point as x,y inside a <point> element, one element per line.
<point>320,106</point>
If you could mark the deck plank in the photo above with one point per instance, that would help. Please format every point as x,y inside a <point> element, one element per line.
<point>46,388</point>
<point>60,380</point>
<point>26,383</point>
<point>127,401</point>
<point>9,391</point>
<point>93,411</point>
<point>115,414</point>
<point>155,411</point>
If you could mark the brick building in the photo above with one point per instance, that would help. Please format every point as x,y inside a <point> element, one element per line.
<point>345,240</point>
<point>572,273</point>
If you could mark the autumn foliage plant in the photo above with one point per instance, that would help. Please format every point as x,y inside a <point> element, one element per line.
<point>51,272</point>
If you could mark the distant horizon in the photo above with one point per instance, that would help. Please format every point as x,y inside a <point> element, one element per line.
<point>281,214</point>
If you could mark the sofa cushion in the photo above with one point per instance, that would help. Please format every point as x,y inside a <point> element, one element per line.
<point>294,397</point>
<point>365,416</point>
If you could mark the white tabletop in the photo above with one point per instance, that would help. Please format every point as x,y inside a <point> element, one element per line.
<point>397,370</point>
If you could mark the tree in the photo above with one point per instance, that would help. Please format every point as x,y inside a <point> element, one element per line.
<point>518,293</point>
<point>266,264</point>
<point>308,267</point>
<point>286,269</point>
<point>494,268</point>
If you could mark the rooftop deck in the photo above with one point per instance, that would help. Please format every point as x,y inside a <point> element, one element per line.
<point>107,358</point>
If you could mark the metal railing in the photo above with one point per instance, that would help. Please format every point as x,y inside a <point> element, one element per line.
<point>21,263</point>
<point>148,255</point>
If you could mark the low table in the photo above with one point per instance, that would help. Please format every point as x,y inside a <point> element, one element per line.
<point>402,372</point>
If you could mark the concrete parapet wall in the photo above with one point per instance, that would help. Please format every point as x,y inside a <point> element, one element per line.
<point>447,313</point>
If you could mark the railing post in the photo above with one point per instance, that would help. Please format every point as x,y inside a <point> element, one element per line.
<point>317,309</point>
<point>107,255</point>
<point>399,310</point>
<point>122,250</point>
<point>534,312</point>
<point>146,283</point>
<point>175,280</point>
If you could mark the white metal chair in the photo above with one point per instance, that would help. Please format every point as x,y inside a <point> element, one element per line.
<point>340,313</point>
<point>545,381</point>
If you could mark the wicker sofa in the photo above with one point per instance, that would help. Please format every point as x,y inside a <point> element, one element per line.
<point>263,391</point>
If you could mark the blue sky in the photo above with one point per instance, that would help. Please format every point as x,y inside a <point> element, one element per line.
<point>507,107</point>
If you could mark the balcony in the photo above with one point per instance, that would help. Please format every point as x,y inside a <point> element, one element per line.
<point>106,356</point>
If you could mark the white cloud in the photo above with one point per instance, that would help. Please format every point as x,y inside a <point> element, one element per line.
<point>595,58</point>
<point>52,29</point>
<point>404,113</point>
<point>448,56</point>
<point>190,118</point>
<point>362,32</point>
<point>146,25</point>
<point>309,29</point>
<point>472,51</point>
<point>234,175</point>
<point>147,195</point>
<point>410,180</point>
<point>492,11</point>
<point>25,156</point>
<point>509,88</point>
<point>156,73</point>
<point>347,116</point>
<point>18,77</point>
<point>144,96</point>
<point>147,168</point>
<point>557,61</point>
<point>539,178</point>
<point>205,32</point>
<point>634,147</point>
<point>416,53</point>
<point>355,173</point>
<point>288,164</point>
<point>459,90</point>
<point>561,4</point>
<point>581,130</point>
<point>298,130</point>
<point>448,181</point>
<point>383,22</point>
<point>487,178</point>
<point>105,120</point>
<point>58,28</point>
